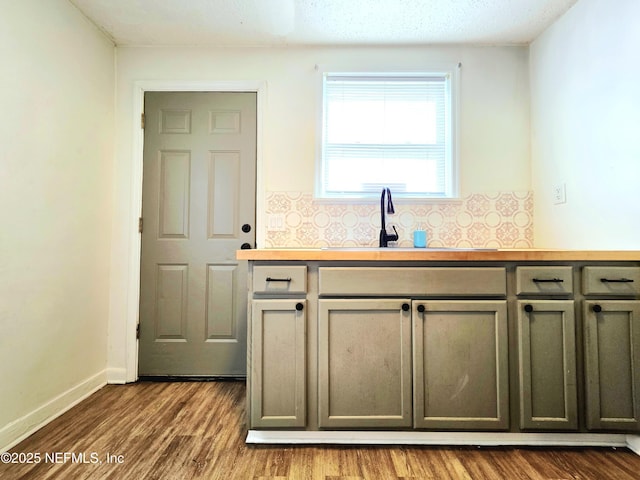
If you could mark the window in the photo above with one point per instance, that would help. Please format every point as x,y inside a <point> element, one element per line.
<point>391,130</point>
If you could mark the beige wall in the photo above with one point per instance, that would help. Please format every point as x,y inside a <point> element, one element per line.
<point>494,140</point>
<point>56,154</point>
<point>585,127</point>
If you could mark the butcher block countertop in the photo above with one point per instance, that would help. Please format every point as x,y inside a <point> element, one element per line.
<point>434,254</point>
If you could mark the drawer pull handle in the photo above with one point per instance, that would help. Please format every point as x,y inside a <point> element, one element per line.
<point>271,279</point>
<point>548,280</point>
<point>616,280</point>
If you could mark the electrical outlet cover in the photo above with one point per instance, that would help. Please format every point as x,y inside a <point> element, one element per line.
<point>559,194</point>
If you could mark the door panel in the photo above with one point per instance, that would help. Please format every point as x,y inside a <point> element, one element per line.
<point>461,378</point>
<point>198,190</point>
<point>175,173</point>
<point>612,360</point>
<point>221,319</point>
<point>277,397</point>
<point>364,363</point>
<point>224,171</point>
<point>547,365</point>
<point>171,302</point>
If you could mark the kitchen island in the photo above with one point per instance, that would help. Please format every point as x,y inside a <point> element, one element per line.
<point>443,346</point>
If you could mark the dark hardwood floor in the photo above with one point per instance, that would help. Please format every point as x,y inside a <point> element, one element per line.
<point>188,430</point>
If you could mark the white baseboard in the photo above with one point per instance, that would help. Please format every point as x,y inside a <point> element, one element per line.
<point>117,376</point>
<point>18,430</point>
<point>633,442</point>
<point>437,438</point>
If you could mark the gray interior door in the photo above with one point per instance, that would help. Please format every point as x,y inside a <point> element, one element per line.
<point>198,208</point>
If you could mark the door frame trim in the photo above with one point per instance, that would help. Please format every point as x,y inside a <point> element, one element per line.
<point>133,283</point>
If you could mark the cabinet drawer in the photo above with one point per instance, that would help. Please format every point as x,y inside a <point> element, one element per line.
<point>409,281</point>
<point>283,279</point>
<point>611,280</point>
<point>544,280</point>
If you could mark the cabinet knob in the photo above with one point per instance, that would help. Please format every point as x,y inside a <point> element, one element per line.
<point>405,307</point>
<point>597,308</point>
<point>246,228</point>
<point>421,308</point>
<point>528,308</point>
<point>299,306</point>
<point>245,246</point>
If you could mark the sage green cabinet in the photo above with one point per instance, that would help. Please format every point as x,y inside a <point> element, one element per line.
<point>460,359</point>
<point>547,365</point>
<point>612,364</point>
<point>278,363</point>
<point>364,363</point>
<point>444,346</point>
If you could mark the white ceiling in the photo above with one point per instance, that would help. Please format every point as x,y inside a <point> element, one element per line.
<point>322,22</point>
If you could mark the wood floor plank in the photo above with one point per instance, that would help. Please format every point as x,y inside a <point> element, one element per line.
<point>540,461</point>
<point>507,465</point>
<point>302,463</point>
<point>196,431</point>
<point>275,463</point>
<point>337,462</point>
<point>445,463</point>
<point>378,462</point>
<point>526,462</point>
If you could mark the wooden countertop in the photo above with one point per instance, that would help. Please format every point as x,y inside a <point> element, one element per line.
<point>433,254</point>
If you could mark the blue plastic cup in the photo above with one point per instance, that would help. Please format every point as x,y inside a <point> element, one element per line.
<point>420,239</point>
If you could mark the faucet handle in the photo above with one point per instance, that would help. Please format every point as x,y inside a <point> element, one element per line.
<point>393,237</point>
<point>385,237</point>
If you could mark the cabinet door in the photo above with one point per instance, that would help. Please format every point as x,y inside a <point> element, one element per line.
<point>277,388</point>
<point>460,360</point>
<point>547,365</point>
<point>364,363</point>
<point>612,360</point>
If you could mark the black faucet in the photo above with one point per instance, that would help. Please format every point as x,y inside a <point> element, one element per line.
<point>385,237</point>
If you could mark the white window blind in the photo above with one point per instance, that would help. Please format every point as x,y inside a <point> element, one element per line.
<point>386,130</point>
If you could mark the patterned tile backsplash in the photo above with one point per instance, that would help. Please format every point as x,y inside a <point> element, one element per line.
<point>479,220</point>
